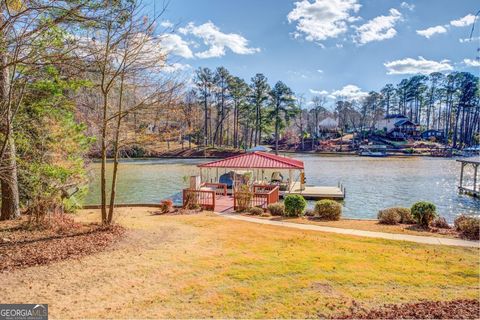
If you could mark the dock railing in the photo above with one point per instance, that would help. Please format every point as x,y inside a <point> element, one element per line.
<point>261,197</point>
<point>220,188</point>
<point>201,198</point>
<point>204,198</point>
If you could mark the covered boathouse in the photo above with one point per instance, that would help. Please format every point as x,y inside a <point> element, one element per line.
<point>259,178</point>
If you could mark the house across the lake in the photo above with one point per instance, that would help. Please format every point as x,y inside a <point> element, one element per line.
<point>397,126</point>
<point>428,134</point>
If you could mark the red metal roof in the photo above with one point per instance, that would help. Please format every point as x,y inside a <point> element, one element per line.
<point>257,160</point>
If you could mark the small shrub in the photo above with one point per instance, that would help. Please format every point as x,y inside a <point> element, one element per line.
<point>389,216</point>
<point>190,201</point>
<point>440,222</point>
<point>328,209</point>
<point>166,206</point>
<point>276,209</point>
<point>468,226</point>
<point>244,198</point>
<point>265,214</point>
<point>458,220</point>
<point>256,211</point>
<point>424,213</point>
<point>295,205</point>
<point>405,215</point>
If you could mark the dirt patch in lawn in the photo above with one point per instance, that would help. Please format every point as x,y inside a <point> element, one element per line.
<point>456,309</point>
<point>21,247</point>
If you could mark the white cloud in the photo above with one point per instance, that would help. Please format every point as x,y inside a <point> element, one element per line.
<point>175,67</point>
<point>166,24</point>
<point>466,40</point>
<point>417,66</point>
<point>350,92</point>
<point>322,19</point>
<point>379,28</point>
<point>319,70</point>
<point>427,33</point>
<point>174,44</point>
<point>463,22</point>
<point>471,62</point>
<point>319,92</point>
<point>408,6</point>
<point>217,41</point>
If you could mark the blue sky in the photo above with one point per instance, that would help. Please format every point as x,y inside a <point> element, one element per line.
<point>328,47</point>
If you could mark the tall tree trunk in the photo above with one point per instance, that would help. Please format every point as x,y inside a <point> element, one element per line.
<point>205,123</point>
<point>8,178</point>
<point>103,171</point>
<point>235,125</point>
<point>9,182</point>
<point>277,124</point>
<point>259,125</point>
<point>113,189</point>
<point>455,130</point>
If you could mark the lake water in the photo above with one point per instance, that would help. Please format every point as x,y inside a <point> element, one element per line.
<point>371,183</point>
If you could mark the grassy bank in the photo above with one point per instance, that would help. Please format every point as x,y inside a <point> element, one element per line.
<point>206,266</point>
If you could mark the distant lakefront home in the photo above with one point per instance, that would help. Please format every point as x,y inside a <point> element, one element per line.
<point>328,124</point>
<point>397,126</point>
<point>437,134</point>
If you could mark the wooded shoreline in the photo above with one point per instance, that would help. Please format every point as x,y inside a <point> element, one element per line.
<point>224,154</point>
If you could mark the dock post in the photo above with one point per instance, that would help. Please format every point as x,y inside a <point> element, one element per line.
<point>461,175</point>
<point>475,179</point>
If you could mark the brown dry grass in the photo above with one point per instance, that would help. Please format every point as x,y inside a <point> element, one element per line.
<point>207,266</point>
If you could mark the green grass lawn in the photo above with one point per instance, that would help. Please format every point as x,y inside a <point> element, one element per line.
<point>208,266</point>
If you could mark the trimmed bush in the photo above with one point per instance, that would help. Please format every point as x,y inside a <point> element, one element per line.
<point>295,205</point>
<point>468,226</point>
<point>403,213</point>
<point>424,212</point>
<point>389,216</point>
<point>256,211</point>
<point>440,222</point>
<point>276,209</point>
<point>328,210</point>
<point>458,220</point>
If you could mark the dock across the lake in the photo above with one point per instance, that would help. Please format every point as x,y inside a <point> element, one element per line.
<point>317,192</point>
<point>474,188</point>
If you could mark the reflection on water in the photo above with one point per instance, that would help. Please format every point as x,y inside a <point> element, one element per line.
<point>371,183</point>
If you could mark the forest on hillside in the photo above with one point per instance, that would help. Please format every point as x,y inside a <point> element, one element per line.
<point>84,79</point>
<point>243,114</point>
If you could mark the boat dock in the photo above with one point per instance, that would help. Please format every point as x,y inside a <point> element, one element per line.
<point>317,192</point>
<point>473,187</point>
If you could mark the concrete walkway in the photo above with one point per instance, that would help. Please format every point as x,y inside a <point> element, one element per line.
<point>361,233</point>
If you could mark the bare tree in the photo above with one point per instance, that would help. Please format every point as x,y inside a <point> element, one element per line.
<point>124,61</point>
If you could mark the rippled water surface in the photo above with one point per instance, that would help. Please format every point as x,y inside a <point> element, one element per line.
<point>371,183</point>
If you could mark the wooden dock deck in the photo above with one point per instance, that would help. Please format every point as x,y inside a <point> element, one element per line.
<point>224,204</point>
<point>317,192</point>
